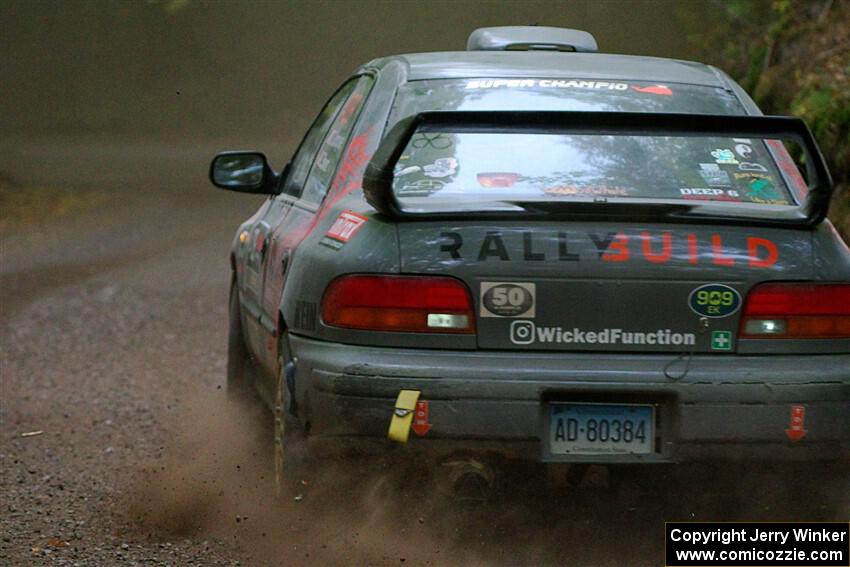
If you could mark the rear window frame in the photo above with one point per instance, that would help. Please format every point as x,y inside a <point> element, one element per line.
<point>379,173</point>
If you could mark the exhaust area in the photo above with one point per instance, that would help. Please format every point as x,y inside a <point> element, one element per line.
<point>216,481</point>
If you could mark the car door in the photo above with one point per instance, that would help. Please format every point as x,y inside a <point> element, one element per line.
<point>294,210</point>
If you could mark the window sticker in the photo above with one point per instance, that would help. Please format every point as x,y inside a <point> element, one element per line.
<point>407,170</point>
<point>713,175</point>
<point>437,141</point>
<point>746,166</point>
<point>662,90</point>
<point>442,167</point>
<point>764,191</point>
<point>421,188</point>
<point>743,150</point>
<point>587,191</point>
<point>546,84</point>
<point>724,156</point>
<point>709,194</point>
<point>497,179</point>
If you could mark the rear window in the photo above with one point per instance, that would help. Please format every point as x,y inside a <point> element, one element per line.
<point>440,170</point>
<point>486,171</point>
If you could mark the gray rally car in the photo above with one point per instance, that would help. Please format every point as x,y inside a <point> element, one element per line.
<point>534,248</point>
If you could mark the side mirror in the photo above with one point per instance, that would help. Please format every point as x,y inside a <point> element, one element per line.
<point>248,172</point>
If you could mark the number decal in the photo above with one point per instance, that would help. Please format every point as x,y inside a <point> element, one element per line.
<point>714,300</point>
<point>507,299</point>
<point>499,296</point>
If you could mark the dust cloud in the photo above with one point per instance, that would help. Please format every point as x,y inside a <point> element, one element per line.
<point>216,481</point>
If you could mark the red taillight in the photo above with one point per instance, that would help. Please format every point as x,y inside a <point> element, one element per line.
<point>797,311</point>
<point>420,304</point>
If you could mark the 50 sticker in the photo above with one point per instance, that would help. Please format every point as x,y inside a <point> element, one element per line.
<point>507,299</point>
<point>714,300</point>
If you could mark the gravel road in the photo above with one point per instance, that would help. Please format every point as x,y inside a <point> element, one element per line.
<point>118,446</point>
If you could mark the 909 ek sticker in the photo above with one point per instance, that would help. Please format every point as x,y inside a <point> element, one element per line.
<point>508,299</point>
<point>714,300</point>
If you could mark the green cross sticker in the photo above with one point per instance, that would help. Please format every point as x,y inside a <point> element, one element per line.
<point>721,340</point>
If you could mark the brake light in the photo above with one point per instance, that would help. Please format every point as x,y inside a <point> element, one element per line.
<point>414,304</point>
<point>797,311</point>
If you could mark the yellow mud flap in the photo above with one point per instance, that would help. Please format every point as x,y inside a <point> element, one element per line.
<point>403,416</point>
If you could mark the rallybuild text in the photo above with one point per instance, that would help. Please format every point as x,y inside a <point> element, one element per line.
<point>741,544</point>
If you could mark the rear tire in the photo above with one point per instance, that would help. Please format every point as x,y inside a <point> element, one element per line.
<point>291,462</point>
<point>239,377</point>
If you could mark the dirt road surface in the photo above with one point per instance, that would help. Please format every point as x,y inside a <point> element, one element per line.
<point>118,446</point>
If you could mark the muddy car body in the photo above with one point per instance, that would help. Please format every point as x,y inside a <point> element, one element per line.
<point>425,239</point>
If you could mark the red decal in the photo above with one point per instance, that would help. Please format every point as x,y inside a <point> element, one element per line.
<point>349,108</point>
<point>621,245</point>
<point>693,252</point>
<point>654,89</point>
<point>420,419</point>
<point>497,179</point>
<point>666,248</point>
<point>717,256</point>
<point>797,430</point>
<point>753,246</point>
<point>786,162</point>
<point>346,224</point>
<point>354,161</point>
<point>260,242</point>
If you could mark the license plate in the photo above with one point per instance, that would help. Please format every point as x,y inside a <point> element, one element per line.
<point>600,429</point>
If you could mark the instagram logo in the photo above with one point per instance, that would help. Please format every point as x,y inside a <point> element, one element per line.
<point>522,332</point>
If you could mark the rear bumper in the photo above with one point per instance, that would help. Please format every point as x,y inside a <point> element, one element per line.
<point>723,407</point>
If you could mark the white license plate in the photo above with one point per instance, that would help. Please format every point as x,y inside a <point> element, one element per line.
<point>601,429</point>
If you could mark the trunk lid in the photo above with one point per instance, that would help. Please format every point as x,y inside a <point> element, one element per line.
<point>640,287</point>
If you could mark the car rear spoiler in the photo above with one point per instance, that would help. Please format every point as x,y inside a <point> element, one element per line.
<point>378,177</point>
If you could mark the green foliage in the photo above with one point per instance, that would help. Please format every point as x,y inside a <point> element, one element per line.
<point>793,57</point>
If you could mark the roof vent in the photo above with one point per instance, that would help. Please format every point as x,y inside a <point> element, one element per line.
<point>530,38</point>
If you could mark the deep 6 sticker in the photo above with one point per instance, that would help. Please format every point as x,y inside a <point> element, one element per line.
<point>714,300</point>
<point>507,299</point>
